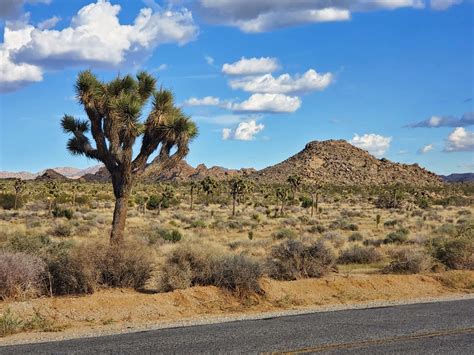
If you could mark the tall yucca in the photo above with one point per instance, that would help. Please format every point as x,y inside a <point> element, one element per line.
<point>114,112</point>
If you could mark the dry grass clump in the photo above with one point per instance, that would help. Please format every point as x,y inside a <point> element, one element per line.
<point>21,275</point>
<point>360,255</point>
<point>409,261</point>
<point>189,266</point>
<point>292,260</point>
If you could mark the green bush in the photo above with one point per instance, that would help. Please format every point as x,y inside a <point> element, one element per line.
<point>356,237</point>
<point>63,212</point>
<point>284,233</point>
<point>399,237</point>
<point>7,201</point>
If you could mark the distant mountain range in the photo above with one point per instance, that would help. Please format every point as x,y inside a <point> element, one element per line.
<point>332,161</point>
<point>69,172</point>
<point>463,177</point>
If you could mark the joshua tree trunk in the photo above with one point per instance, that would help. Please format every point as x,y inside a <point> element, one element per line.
<point>192,199</point>
<point>234,198</point>
<point>122,189</point>
<point>16,202</point>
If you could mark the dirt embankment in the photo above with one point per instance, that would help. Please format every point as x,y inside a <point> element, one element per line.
<point>120,309</point>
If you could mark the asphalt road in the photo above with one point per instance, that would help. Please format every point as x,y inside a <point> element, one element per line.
<point>432,328</point>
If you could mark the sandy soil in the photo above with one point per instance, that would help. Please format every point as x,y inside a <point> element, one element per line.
<point>117,310</point>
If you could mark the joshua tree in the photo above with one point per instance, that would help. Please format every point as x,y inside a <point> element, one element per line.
<point>314,190</point>
<point>166,194</point>
<point>114,110</point>
<point>294,181</point>
<point>19,187</point>
<point>282,196</point>
<point>208,185</point>
<point>193,186</point>
<point>52,189</point>
<point>237,188</point>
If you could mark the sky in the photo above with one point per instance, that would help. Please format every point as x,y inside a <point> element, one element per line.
<point>261,78</point>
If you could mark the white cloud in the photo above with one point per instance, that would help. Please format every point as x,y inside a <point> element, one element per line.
<point>283,84</point>
<point>277,103</point>
<point>49,23</point>
<point>373,143</point>
<point>426,148</point>
<point>161,67</point>
<point>446,121</point>
<point>251,66</point>
<point>460,140</point>
<point>209,60</point>
<point>95,37</point>
<point>266,15</point>
<point>226,133</point>
<point>245,131</point>
<point>205,101</point>
<point>444,4</point>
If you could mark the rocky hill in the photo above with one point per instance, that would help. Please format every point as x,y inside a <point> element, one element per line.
<point>185,172</point>
<point>50,175</point>
<point>69,172</point>
<point>338,162</point>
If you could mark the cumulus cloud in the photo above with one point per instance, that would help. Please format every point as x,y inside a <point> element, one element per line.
<point>49,23</point>
<point>460,140</point>
<point>205,101</point>
<point>265,15</point>
<point>446,121</point>
<point>209,60</point>
<point>276,103</point>
<point>245,131</point>
<point>10,9</point>
<point>373,143</point>
<point>444,4</point>
<point>283,84</point>
<point>426,149</point>
<point>251,66</point>
<point>95,37</point>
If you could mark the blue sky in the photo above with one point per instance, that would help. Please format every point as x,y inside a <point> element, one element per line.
<point>394,77</point>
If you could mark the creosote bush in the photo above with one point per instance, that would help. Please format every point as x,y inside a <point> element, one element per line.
<point>293,260</point>
<point>409,261</point>
<point>284,233</point>
<point>456,253</point>
<point>189,266</point>
<point>360,255</point>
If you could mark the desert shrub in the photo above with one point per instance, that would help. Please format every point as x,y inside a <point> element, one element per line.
<point>306,201</point>
<point>239,274</point>
<point>317,229</point>
<point>372,242</point>
<point>67,273</point>
<point>292,260</point>
<point>129,265</point>
<point>198,224</point>
<point>360,255</point>
<point>344,225</point>
<point>409,261</point>
<point>62,230</point>
<point>9,323</point>
<point>172,236</point>
<point>356,237</point>
<point>7,201</point>
<point>456,253</point>
<point>192,266</point>
<point>63,212</point>
<point>399,237</point>
<point>27,244</point>
<point>21,275</point>
<point>284,233</point>
<point>390,223</point>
